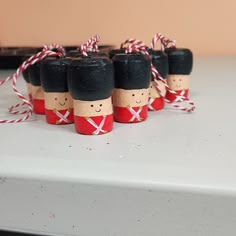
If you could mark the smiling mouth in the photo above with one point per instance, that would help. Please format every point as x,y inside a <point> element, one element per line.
<point>138,101</point>
<point>62,104</point>
<point>98,110</point>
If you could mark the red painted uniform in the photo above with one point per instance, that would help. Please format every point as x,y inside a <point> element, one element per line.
<point>130,115</point>
<point>156,104</point>
<point>174,97</point>
<point>95,125</point>
<point>59,117</point>
<point>39,106</point>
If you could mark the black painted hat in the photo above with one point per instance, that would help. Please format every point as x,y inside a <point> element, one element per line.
<point>25,73</point>
<point>34,70</point>
<point>53,74</point>
<point>34,74</point>
<point>114,52</point>
<point>76,53</point>
<point>160,62</point>
<point>91,78</point>
<point>180,61</point>
<point>132,71</point>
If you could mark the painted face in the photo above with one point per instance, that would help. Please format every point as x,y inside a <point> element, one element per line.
<point>132,98</point>
<point>153,93</point>
<point>37,92</point>
<point>58,101</point>
<point>93,108</point>
<point>178,82</point>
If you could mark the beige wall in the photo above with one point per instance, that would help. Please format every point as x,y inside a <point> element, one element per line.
<point>205,26</point>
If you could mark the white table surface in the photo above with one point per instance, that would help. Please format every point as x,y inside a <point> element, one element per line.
<point>174,174</point>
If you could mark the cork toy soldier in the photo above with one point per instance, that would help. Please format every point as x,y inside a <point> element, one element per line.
<point>58,101</point>
<point>132,80</point>
<point>160,62</point>
<point>25,74</point>
<point>91,80</point>
<point>180,67</point>
<point>37,91</point>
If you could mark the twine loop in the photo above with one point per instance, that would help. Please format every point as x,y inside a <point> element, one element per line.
<point>90,46</point>
<point>164,42</point>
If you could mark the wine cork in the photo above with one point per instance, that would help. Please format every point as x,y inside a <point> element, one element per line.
<point>132,80</point>
<point>180,66</point>
<point>58,101</point>
<point>37,91</point>
<point>91,80</point>
<point>25,74</point>
<point>160,62</point>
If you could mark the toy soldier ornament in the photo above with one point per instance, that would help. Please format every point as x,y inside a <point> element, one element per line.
<point>132,80</point>
<point>180,67</point>
<point>25,74</point>
<point>160,62</point>
<point>58,101</point>
<point>91,80</point>
<point>37,91</point>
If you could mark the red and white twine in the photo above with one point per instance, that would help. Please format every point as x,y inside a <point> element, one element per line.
<point>140,47</point>
<point>133,43</point>
<point>47,51</point>
<point>56,47</point>
<point>168,43</point>
<point>157,37</point>
<point>164,42</point>
<point>90,46</point>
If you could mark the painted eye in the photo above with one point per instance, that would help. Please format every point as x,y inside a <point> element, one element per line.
<point>133,95</point>
<point>174,80</point>
<point>151,87</point>
<point>180,79</point>
<point>65,99</point>
<point>142,93</point>
<point>92,105</point>
<point>100,105</point>
<point>55,99</point>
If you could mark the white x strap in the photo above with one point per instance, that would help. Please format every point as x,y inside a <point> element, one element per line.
<point>150,101</point>
<point>97,127</point>
<point>181,97</point>
<point>136,114</point>
<point>63,117</point>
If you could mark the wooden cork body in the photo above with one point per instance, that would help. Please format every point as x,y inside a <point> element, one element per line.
<point>180,67</point>
<point>132,80</point>
<point>58,101</point>
<point>37,91</point>
<point>91,80</point>
<point>160,62</point>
